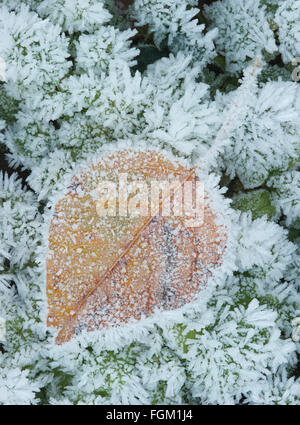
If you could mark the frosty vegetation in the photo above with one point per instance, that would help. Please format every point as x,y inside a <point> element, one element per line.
<point>84,76</point>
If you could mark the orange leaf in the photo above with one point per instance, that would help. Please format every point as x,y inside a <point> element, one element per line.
<point>103,271</point>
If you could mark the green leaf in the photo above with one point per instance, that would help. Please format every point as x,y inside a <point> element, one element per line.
<point>258,202</point>
<point>149,54</point>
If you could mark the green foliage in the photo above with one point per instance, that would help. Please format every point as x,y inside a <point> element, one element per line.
<point>258,202</point>
<point>148,55</point>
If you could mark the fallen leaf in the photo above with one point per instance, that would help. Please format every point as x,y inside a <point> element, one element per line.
<point>103,271</point>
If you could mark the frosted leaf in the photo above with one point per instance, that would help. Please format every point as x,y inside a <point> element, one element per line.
<point>174,22</point>
<point>287,18</point>
<point>16,387</point>
<point>286,194</point>
<point>279,389</point>
<point>34,51</point>
<point>102,271</point>
<point>19,221</point>
<point>263,248</point>
<point>105,46</point>
<point>75,15</point>
<point>267,138</point>
<point>243,31</point>
<point>228,355</point>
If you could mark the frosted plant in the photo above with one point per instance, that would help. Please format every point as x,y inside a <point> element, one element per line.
<point>215,339</point>
<point>130,107</point>
<point>174,23</point>
<point>104,48</point>
<point>62,95</point>
<point>184,117</point>
<point>277,389</point>
<point>286,194</point>
<point>243,31</point>
<point>269,252</point>
<point>30,141</point>
<point>164,18</point>
<point>21,294</point>
<point>267,139</point>
<point>19,221</point>
<point>273,73</point>
<point>46,174</point>
<point>271,7</point>
<point>74,15</point>
<point>23,37</point>
<point>257,201</point>
<point>287,20</point>
<point>16,388</point>
<point>76,87</point>
<point>213,352</point>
